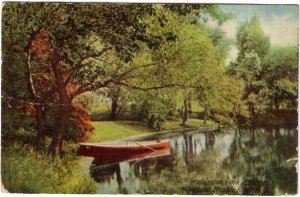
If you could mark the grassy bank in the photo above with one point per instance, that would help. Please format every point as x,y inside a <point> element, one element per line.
<point>26,170</point>
<point>112,130</point>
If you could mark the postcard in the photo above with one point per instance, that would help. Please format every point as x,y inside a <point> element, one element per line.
<point>149,98</point>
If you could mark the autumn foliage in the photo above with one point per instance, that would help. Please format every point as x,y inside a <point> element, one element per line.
<point>41,44</point>
<point>26,109</point>
<point>80,125</point>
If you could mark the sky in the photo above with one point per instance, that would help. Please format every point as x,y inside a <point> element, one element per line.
<point>279,22</point>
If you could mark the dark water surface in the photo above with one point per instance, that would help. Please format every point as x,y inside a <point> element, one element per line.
<point>232,161</point>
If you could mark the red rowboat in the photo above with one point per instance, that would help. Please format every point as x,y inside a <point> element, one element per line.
<point>96,149</point>
<point>106,159</point>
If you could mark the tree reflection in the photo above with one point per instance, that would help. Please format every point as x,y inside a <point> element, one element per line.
<point>249,161</point>
<point>256,154</point>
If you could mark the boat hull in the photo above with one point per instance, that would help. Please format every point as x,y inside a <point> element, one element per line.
<point>107,159</point>
<point>94,150</point>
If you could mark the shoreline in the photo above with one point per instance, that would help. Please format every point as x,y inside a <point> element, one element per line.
<point>201,129</point>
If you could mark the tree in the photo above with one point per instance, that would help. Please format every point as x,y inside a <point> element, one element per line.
<point>119,100</point>
<point>251,38</point>
<point>194,64</point>
<point>92,46</point>
<point>70,66</point>
<point>14,68</point>
<point>153,107</point>
<point>280,72</point>
<point>253,46</point>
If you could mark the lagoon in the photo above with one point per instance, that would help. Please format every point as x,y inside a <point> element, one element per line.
<point>244,161</point>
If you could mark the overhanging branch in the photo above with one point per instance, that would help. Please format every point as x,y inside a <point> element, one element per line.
<point>79,65</point>
<point>153,87</point>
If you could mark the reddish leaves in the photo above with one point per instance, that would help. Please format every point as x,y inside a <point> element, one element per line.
<point>26,109</point>
<point>80,122</point>
<point>41,45</point>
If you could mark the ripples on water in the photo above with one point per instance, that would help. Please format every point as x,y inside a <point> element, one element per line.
<point>233,161</point>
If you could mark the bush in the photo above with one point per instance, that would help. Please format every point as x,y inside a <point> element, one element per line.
<point>23,170</point>
<point>80,125</point>
<point>155,121</point>
<point>154,110</point>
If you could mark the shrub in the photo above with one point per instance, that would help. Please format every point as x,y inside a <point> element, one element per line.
<point>80,126</point>
<point>153,110</point>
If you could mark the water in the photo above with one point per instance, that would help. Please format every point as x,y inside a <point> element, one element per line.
<point>233,161</point>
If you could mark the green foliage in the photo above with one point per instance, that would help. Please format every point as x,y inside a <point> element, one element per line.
<point>14,81</point>
<point>253,46</point>
<point>88,99</point>
<point>153,108</point>
<point>23,170</point>
<point>280,72</point>
<point>223,102</point>
<point>270,75</point>
<point>191,122</point>
<point>201,12</point>
<point>178,61</point>
<point>100,112</point>
<point>251,38</point>
<point>192,60</point>
<point>11,116</point>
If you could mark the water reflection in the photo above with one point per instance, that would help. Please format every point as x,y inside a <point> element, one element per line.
<point>232,161</point>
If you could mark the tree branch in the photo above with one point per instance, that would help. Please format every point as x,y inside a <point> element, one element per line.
<point>28,64</point>
<point>153,87</point>
<point>29,75</point>
<point>83,89</point>
<point>79,65</point>
<point>122,75</point>
<point>31,84</point>
<point>114,79</point>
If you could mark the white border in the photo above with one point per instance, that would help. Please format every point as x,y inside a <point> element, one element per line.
<point>256,2</point>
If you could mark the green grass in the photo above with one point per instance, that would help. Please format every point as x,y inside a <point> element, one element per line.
<point>25,170</point>
<point>111,130</point>
<point>196,107</point>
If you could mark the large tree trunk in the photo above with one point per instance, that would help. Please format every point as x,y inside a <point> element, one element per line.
<point>56,143</point>
<point>64,106</point>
